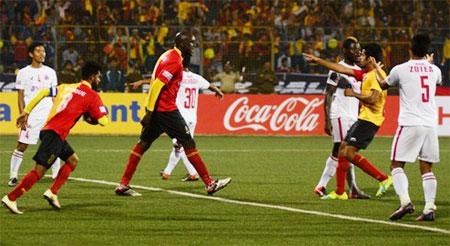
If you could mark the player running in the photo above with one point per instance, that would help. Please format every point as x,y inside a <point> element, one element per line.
<point>71,102</point>
<point>162,115</point>
<point>187,103</point>
<point>340,113</point>
<point>29,81</point>
<point>416,134</point>
<point>370,118</point>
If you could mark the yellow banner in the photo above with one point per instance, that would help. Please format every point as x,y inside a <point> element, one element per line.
<point>124,112</point>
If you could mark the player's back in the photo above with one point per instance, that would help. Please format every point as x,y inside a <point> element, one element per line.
<point>71,102</point>
<point>187,98</point>
<point>417,81</point>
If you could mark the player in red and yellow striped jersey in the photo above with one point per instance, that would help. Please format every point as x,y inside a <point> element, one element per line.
<point>72,101</point>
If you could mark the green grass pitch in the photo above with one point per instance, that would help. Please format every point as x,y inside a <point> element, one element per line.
<point>268,170</point>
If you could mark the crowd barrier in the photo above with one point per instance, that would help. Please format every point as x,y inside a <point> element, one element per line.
<point>290,115</point>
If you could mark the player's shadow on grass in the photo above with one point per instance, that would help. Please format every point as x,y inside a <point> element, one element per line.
<point>70,206</point>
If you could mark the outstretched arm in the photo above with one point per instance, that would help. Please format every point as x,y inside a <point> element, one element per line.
<point>218,92</point>
<point>380,76</point>
<point>330,65</point>
<point>367,99</point>
<point>138,83</point>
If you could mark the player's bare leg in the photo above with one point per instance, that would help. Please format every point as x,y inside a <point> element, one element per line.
<point>429,185</point>
<point>401,188</point>
<point>16,161</point>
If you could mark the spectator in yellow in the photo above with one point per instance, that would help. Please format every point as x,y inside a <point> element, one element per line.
<point>163,30</point>
<point>445,63</point>
<point>184,8</point>
<point>227,78</point>
<point>136,51</point>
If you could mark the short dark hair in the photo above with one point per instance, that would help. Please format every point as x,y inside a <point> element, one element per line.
<point>420,45</point>
<point>34,45</point>
<point>90,68</point>
<point>374,50</point>
<point>349,41</point>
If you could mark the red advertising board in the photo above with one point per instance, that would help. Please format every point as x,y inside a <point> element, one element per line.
<point>273,115</point>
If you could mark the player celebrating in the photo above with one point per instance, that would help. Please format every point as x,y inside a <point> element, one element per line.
<point>30,80</point>
<point>340,113</point>
<point>162,115</point>
<point>416,133</point>
<point>187,102</point>
<point>370,118</point>
<point>72,101</point>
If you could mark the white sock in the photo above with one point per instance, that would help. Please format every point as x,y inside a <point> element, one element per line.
<point>187,164</point>
<point>351,178</point>
<point>173,162</point>
<point>55,168</point>
<point>328,171</point>
<point>429,184</point>
<point>401,185</point>
<point>16,160</point>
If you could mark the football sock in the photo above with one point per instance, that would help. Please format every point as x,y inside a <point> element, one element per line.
<point>401,185</point>
<point>25,185</point>
<point>55,168</point>
<point>328,171</point>
<point>174,158</point>
<point>351,178</point>
<point>16,160</point>
<point>62,177</point>
<point>368,168</point>
<point>187,164</point>
<point>429,184</point>
<point>197,162</point>
<point>133,161</point>
<point>341,174</point>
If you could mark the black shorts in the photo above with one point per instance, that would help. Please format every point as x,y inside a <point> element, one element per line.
<point>51,147</point>
<point>173,124</point>
<point>361,134</point>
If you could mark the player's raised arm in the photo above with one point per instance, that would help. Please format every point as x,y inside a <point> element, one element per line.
<point>380,76</point>
<point>330,65</point>
<point>138,83</point>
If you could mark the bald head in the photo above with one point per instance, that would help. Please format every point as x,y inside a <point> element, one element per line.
<point>185,42</point>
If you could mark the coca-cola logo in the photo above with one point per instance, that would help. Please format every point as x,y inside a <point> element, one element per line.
<point>294,113</point>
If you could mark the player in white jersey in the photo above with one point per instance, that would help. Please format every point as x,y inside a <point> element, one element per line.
<point>29,81</point>
<point>416,135</point>
<point>340,114</point>
<point>187,103</point>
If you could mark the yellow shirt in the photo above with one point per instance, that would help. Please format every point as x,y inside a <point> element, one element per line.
<point>447,49</point>
<point>373,113</point>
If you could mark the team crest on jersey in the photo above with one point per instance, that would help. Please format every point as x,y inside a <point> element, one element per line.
<point>46,77</point>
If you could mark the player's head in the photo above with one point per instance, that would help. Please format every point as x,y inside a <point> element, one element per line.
<point>91,72</point>
<point>371,50</point>
<point>185,42</point>
<point>352,50</point>
<point>420,44</point>
<point>36,51</point>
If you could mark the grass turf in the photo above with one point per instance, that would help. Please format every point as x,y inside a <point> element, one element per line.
<point>270,170</point>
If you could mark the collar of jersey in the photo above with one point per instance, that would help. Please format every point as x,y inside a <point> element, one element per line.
<point>84,82</point>
<point>178,51</point>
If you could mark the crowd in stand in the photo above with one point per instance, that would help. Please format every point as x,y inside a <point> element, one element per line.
<point>129,35</point>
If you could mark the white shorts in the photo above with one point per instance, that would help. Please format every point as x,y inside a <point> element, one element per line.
<point>411,142</point>
<point>339,128</point>
<point>31,134</point>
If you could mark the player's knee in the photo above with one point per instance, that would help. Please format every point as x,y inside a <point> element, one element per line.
<point>425,167</point>
<point>144,145</point>
<point>396,164</point>
<point>73,161</point>
<point>21,147</point>
<point>335,151</point>
<point>188,144</point>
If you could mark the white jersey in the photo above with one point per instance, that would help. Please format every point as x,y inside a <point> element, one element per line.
<point>31,80</point>
<point>187,97</point>
<point>342,106</point>
<point>417,81</point>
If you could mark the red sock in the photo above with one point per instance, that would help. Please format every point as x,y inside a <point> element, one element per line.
<point>368,168</point>
<point>25,185</point>
<point>133,161</point>
<point>199,165</point>
<point>341,174</point>
<point>62,177</point>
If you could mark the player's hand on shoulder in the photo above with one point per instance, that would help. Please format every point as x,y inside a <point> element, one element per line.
<point>22,120</point>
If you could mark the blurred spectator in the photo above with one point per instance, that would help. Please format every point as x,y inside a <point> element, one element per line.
<point>284,66</point>
<point>113,79</point>
<point>266,81</point>
<point>227,78</point>
<point>67,75</point>
<point>70,54</point>
<point>196,60</point>
<point>445,63</point>
<point>133,75</point>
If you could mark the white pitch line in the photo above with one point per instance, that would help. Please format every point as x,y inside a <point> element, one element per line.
<point>279,207</point>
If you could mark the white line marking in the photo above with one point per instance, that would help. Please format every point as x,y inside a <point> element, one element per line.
<point>262,205</point>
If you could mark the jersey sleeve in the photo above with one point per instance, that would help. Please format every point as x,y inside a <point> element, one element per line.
<point>20,81</point>
<point>333,78</point>
<point>438,75</point>
<point>358,74</point>
<point>168,71</point>
<point>203,83</point>
<point>96,108</point>
<point>393,77</point>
